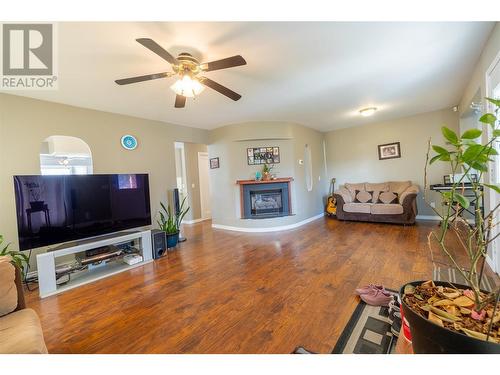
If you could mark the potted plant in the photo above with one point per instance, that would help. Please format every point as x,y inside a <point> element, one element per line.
<point>18,258</point>
<point>452,318</point>
<point>35,195</point>
<point>170,222</point>
<point>266,172</point>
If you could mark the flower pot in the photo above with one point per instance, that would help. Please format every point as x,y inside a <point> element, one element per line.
<point>429,338</point>
<point>266,176</point>
<point>37,205</point>
<point>172,239</point>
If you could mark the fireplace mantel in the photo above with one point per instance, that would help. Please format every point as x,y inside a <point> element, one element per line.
<point>249,182</point>
<point>247,187</point>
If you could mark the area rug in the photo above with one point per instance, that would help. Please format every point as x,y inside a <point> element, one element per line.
<point>367,332</point>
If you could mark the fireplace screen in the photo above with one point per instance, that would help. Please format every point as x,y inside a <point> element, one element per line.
<point>266,202</point>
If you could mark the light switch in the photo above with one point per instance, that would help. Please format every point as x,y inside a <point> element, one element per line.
<point>192,186</point>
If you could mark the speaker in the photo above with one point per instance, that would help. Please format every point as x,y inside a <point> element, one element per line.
<point>159,243</point>
<point>177,203</point>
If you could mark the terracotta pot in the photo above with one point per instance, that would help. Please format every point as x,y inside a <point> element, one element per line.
<point>429,338</point>
<point>266,176</point>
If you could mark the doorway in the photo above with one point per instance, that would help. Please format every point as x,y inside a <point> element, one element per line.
<point>204,180</point>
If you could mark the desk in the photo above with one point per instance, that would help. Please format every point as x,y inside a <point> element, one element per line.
<point>467,191</point>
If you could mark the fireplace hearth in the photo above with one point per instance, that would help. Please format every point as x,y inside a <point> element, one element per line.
<point>265,199</point>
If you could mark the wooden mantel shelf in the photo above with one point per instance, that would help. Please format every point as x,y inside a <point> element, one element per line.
<point>252,182</point>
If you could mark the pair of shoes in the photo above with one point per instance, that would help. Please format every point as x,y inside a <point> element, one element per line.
<point>396,323</point>
<point>369,288</point>
<point>377,297</point>
<point>394,307</point>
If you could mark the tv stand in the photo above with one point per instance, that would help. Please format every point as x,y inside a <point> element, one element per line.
<point>87,271</point>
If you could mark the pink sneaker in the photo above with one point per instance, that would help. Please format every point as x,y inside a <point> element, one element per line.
<point>369,288</point>
<point>377,297</point>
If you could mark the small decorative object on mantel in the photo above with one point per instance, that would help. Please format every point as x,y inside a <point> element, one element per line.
<point>389,151</point>
<point>214,163</point>
<point>129,142</point>
<point>263,155</point>
<point>258,176</point>
<point>266,172</point>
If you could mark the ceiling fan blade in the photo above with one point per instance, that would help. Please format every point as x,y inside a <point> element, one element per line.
<point>147,77</point>
<point>180,101</point>
<point>223,64</point>
<point>219,88</point>
<point>159,50</point>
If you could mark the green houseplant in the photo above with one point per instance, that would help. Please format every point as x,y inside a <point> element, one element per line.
<point>170,222</point>
<point>447,317</point>
<point>18,258</point>
<point>266,171</point>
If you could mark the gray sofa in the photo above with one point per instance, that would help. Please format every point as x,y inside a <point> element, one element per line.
<point>386,202</point>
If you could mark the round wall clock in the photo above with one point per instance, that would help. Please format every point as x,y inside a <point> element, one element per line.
<point>129,142</point>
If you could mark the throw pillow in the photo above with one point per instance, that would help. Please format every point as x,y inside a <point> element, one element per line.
<point>388,197</point>
<point>363,196</point>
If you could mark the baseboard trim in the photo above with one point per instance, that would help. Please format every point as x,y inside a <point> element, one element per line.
<point>194,221</point>
<point>268,229</point>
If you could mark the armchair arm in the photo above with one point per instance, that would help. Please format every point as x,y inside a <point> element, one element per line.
<point>21,304</point>
<point>413,189</point>
<point>345,194</point>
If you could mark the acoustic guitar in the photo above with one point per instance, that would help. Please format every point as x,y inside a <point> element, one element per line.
<point>331,203</point>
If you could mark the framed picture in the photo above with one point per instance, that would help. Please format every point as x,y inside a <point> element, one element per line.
<point>263,155</point>
<point>389,151</point>
<point>214,163</point>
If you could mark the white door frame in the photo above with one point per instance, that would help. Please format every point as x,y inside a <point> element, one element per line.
<point>494,261</point>
<point>203,204</point>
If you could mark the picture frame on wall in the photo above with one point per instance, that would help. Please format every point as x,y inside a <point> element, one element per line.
<point>389,151</point>
<point>214,163</point>
<point>263,155</point>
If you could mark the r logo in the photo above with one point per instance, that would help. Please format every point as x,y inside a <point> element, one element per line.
<point>27,49</point>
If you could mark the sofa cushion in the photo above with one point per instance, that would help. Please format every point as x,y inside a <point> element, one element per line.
<point>21,333</point>
<point>8,289</point>
<point>363,197</point>
<point>353,187</point>
<point>362,208</point>
<point>386,209</point>
<point>399,186</point>
<point>388,197</point>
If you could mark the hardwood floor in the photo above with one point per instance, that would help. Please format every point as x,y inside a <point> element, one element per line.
<point>230,292</point>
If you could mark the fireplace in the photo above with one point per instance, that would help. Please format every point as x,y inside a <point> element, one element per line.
<point>264,199</point>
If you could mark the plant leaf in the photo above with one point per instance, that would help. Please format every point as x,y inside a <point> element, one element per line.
<point>464,202</point>
<point>494,187</point>
<point>450,135</point>
<point>472,134</point>
<point>440,150</point>
<point>435,158</point>
<point>496,133</point>
<point>494,101</point>
<point>488,118</point>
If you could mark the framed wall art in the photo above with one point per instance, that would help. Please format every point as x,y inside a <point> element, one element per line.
<point>389,151</point>
<point>263,155</point>
<point>214,163</point>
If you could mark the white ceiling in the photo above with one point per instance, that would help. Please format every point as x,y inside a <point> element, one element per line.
<point>316,74</point>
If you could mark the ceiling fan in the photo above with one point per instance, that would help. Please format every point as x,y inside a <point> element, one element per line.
<point>190,83</point>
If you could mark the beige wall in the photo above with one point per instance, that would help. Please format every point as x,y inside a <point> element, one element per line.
<point>25,123</point>
<point>230,144</point>
<point>352,154</point>
<point>192,178</point>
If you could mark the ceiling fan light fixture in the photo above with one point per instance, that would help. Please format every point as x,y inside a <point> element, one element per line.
<point>366,112</point>
<point>187,86</point>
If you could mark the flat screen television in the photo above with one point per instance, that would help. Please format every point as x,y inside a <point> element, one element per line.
<point>56,209</point>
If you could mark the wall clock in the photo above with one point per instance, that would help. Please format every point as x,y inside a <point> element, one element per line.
<point>129,142</point>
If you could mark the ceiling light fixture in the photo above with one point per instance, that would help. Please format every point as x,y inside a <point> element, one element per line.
<point>366,112</point>
<point>187,87</point>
